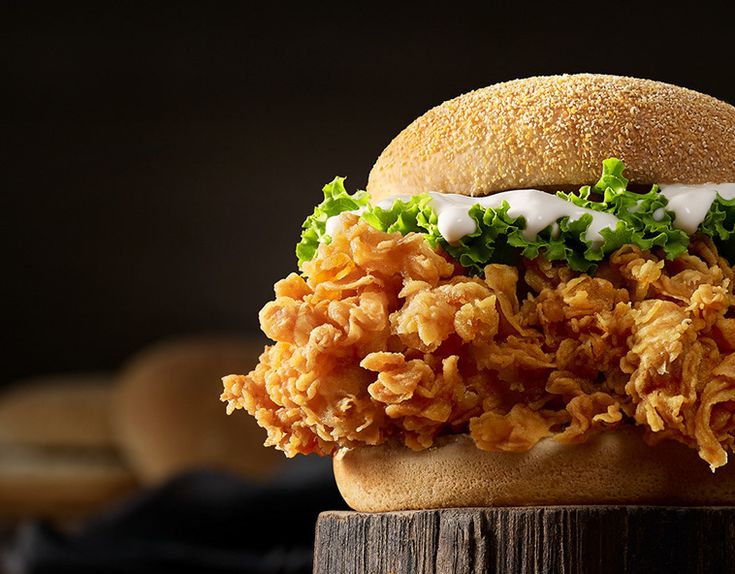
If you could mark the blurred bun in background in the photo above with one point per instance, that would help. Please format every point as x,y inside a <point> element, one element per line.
<point>169,417</point>
<point>143,471</point>
<point>59,458</point>
<point>75,443</point>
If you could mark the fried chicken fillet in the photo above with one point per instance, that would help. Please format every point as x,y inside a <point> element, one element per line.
<point>385,340</point>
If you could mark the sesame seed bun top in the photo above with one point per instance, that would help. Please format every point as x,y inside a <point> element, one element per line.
<point>557,130</point>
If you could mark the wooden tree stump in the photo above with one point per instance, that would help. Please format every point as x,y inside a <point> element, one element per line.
<point>563,539</point>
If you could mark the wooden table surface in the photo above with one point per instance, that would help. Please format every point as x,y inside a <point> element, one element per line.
<point>564,539</point>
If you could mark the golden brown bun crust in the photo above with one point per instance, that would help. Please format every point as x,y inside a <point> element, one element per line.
<point>615,467</point>
<point>169,416</point>
<point>60,485</point>
<point>66,411</point>
<point>557,130</point>
<point>58,452</point>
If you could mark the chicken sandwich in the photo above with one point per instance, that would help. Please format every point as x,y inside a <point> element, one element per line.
<point>532,303</point>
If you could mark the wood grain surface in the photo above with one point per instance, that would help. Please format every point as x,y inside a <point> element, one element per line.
<point>567,539</point>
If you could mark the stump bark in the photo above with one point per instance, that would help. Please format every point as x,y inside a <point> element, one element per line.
<point>561,539</point>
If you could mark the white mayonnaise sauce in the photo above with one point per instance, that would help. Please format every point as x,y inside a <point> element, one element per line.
<point>388,202</point>
<point>690,203</point>
<point>335,224</point>
<point>540,209</point>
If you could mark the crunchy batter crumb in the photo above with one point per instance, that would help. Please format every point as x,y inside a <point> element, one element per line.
<point>387,341</point>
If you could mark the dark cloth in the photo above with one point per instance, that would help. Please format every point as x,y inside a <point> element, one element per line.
<point>199,522</point>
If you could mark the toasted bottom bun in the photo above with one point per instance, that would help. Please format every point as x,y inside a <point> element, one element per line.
<point>60,483</point>
<point>611,468</point>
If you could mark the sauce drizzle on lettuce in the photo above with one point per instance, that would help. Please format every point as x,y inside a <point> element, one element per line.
<point>643,218</point>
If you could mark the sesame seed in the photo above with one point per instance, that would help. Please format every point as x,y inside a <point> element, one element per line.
<point>557,130</point>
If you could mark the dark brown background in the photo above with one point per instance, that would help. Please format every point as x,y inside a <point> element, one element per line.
<point>161,157</point>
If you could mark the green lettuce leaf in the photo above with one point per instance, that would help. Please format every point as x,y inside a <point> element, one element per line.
<point>648,224</point>
<point>336,201</point>
<point>499,238</point>
<point>719,224</point>
<point>414,215</point>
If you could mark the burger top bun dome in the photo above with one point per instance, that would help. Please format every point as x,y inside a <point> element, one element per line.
<point>557,130</point>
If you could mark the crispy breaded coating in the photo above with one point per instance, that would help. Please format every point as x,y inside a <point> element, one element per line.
<point>387,340</point>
